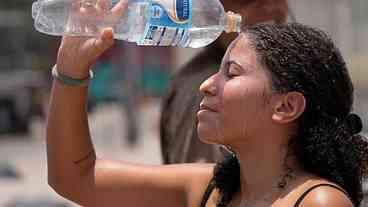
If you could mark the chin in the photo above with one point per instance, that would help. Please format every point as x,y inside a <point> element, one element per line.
<point>207,136</point>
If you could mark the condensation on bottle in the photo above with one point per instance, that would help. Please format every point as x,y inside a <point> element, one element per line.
<point>183,23</point>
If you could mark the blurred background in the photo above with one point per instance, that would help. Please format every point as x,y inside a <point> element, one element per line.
<point>125,93</point>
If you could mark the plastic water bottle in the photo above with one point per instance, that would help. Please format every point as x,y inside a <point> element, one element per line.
<point>183,23</point>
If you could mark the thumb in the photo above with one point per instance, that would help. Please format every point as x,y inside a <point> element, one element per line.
<point>104,41</point>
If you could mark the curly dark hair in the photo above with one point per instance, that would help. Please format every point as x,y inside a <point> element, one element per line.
<point>327,143</point>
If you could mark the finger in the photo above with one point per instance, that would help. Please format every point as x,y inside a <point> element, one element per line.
<point>104,4</point>
<point>76,5</point>
<point>119,9</point>
<point>88,7</point>
<point>88,4</point>
<point>105,41</point>
<point>107,34</point>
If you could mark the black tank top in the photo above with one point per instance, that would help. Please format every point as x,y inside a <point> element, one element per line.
<point>211,186</point>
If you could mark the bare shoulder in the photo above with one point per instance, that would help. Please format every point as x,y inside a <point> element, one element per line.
<point>196,185</point>
<point>197,178</point>
<point>326,196</point>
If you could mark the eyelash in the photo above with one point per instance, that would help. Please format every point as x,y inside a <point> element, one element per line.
<point>230,75</point>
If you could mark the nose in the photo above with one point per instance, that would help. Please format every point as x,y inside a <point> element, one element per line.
<point>208,87</point>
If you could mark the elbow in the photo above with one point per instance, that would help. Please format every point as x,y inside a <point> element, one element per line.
<point>71,189</point>
<point>64,189</point>
<point>59,187</point>
<point>74,185</point>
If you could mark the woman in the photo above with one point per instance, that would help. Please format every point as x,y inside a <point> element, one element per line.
<point>178,135</point>
<point>281,101</point>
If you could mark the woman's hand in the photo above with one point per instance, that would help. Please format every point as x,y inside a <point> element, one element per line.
<point>77,54</point>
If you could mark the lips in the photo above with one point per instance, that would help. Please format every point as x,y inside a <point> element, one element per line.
<point>207,107</point>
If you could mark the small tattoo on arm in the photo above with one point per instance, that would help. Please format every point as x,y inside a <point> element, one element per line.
<point>91,153</point>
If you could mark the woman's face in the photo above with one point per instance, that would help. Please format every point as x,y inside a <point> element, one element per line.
<point>236,103</point>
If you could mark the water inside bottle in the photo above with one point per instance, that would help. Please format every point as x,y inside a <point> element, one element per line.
<point>198,37</point>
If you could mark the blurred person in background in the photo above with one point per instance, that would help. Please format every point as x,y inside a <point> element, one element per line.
<point>144,74</point>
<point>130,92</point>
<point>178,135</point>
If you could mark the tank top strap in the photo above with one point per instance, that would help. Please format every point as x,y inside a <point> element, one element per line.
<point>300,199</point>
<point>210,187</point>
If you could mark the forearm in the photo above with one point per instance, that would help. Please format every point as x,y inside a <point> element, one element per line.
<point>70,151</point>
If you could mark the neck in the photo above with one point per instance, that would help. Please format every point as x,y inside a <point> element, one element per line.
<point>262,168</point>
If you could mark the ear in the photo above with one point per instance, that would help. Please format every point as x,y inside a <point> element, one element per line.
<point>288,107</point>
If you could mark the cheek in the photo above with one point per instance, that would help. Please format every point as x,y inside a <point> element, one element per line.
<point>244,109</point>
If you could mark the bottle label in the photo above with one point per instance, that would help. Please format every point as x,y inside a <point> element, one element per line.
<point>168,23</point>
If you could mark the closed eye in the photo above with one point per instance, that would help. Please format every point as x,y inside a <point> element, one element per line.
<point>233,70</point>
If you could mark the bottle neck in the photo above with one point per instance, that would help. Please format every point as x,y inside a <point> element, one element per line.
<point>232,22</point>
<point>35,9</point>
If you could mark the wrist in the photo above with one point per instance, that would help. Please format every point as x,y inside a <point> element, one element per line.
<point>66,79</point>
<point>75,72</point>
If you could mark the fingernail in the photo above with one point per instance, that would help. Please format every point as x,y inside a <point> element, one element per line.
<point>108,33</point>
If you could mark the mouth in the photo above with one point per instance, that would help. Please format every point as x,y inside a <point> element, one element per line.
<point>206,108</point>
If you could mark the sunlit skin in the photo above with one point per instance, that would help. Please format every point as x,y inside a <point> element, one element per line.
<point>240,76</point>
<point>238,95</point>
<point>237,111</point>
<point>250,117</point>
<point>240,109</point>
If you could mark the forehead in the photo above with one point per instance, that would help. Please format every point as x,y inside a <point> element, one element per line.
<point>241,51</point>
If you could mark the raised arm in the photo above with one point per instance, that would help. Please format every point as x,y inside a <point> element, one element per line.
<point>76,173</point>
